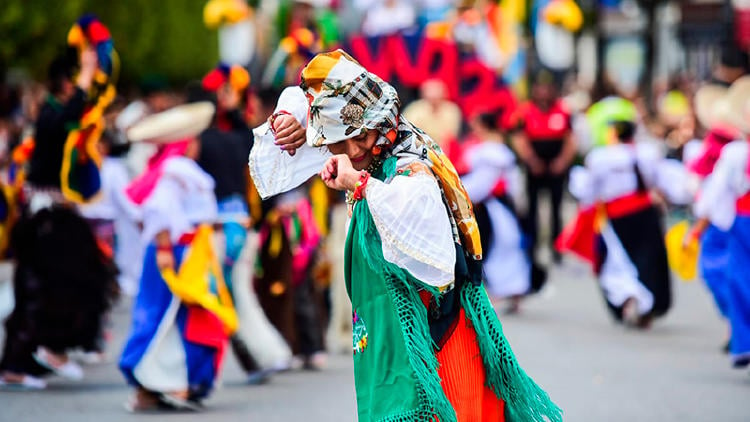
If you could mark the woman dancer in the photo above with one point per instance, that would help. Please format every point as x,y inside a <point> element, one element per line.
<point>183,313</point>
<point>421,316</point>
<point>491,183</point>
<point>620,184</point>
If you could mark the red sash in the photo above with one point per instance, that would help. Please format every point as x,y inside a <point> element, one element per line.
<point>743,205</point>
<point>628,204</point>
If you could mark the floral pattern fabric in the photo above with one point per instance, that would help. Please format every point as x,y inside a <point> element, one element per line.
<point>346,100</point>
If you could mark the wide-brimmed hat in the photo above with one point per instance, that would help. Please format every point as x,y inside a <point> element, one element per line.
<point>738,102</point>
<point>176,124</point>
<point>711,106</point>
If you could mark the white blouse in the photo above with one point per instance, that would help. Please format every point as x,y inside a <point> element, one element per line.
<point>414,226</point>
<point>490,162</point>
<point>728,182</point>
<point>409,212</point>
<point>182,199</point>
<point>609,173</point>
<point>274,171</point>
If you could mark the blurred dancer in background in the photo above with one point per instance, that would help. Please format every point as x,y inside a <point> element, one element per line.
<point>724,207</point>
<point>63,283</point>
<point>492,184</point>
<point>225,146</point>
<point>289,244</point>
<point>620,185</point>
<point>713,112</point>
<point>183,313</point>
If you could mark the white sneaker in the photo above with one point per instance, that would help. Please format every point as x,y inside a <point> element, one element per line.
<point>89,358</point>
<point>28,383</point>
<point>69,369</point>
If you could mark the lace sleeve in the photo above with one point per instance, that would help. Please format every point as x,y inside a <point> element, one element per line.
<point>414,227</point>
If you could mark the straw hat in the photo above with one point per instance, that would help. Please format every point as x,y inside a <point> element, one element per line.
<point>175,124</point>
<point>738,99</point>
<point>711,107</point>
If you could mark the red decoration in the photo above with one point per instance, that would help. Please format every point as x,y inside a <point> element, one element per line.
<point>742,27</point>
<point>214,80</point>
<point>579,237</point>
<point>97,33</point>
<point>390,58</point>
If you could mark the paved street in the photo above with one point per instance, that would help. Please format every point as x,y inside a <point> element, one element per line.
<point>595,370</point>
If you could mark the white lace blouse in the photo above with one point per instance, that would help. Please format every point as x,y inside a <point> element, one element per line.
<point>409,212</point>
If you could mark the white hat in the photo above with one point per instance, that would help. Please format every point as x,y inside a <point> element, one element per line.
<point>711,106</point>
<point>175,124</point>
<point>738,97</point>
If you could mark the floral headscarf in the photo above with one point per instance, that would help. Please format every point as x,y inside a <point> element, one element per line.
<point>346,100</point>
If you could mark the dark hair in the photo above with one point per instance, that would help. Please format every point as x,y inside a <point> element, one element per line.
<point>625,130</point>
<point>268,96</point>
<point>490,120</point>
<point>61,69</point>
<point>115,142</point>
<point>196,93</point>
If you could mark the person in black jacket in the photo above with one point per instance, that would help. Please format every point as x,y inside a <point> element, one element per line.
<point>63,283</point>
<point>62,110</point>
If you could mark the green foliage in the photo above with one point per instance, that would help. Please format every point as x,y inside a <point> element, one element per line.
<point>164,37</point>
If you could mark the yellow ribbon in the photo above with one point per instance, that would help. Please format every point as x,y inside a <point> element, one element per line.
<point>191,284</point>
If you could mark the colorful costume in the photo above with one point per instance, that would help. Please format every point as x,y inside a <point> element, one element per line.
<point>289,243</point>
<point>182,317</point>
<point>725,201</point>
<point>421,316</point>
<point>64,283</point>
<point>619,227</point>
<point>491,183</point>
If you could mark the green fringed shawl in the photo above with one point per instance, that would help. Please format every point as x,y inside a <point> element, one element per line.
<point>396,366</point>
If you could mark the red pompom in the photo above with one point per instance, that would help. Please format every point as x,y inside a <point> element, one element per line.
<point>97,32</point>
<point>214,80</point>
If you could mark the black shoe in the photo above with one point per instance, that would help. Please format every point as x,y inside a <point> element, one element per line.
<point>260,377</point>
<point>741,363</point>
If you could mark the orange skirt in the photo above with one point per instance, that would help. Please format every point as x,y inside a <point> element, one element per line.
<point>463,378</point>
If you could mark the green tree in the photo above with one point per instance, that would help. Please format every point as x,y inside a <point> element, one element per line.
<point>165,37</point>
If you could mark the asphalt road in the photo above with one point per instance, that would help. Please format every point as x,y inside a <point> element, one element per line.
<point>594,369</point>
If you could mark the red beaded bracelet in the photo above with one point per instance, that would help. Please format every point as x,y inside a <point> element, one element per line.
<point>274,116</point>
<point>359,187</point>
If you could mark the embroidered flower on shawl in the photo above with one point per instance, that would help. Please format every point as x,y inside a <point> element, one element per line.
<point>353,115</point>
<point>359,334</point>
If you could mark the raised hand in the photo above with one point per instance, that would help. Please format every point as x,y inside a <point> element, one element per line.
<point>289,133</point>
<point>338,173</point>
<point>89,63</point>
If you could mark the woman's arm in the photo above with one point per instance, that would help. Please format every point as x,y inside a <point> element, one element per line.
<point>414,226</point>
<point>410,215</point>
<point>280,159</point>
